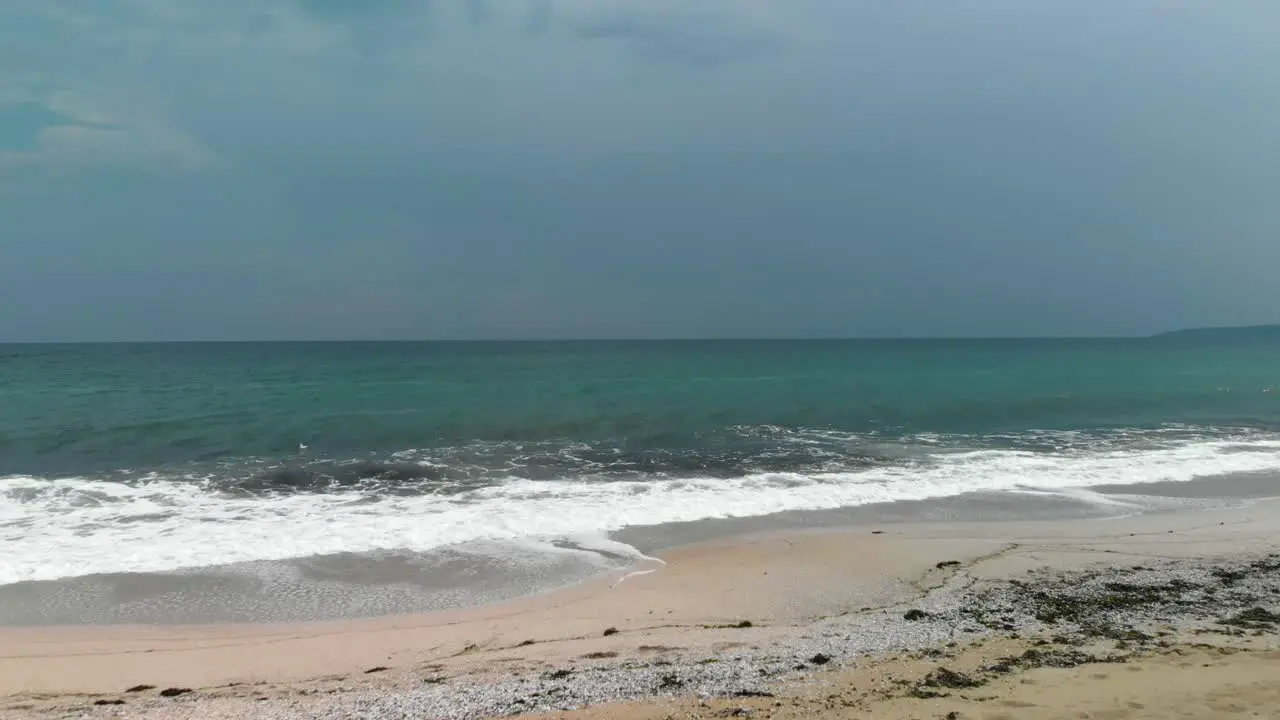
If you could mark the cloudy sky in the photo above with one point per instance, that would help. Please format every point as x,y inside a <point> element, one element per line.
<point>329,169</point>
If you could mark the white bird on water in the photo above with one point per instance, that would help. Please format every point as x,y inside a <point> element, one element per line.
<point>302,447</point>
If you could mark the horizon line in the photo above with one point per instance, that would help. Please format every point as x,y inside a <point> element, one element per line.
<point>671,339</point>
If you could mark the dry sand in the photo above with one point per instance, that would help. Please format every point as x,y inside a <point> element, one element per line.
<point>1192,679</point>
<point>783,584</point>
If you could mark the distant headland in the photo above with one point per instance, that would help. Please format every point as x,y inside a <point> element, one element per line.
<point>1225,333</point>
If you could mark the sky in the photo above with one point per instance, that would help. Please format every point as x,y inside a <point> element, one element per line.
<point>415,169</point>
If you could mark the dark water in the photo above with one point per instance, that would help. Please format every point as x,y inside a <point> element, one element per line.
<point>152,456</point>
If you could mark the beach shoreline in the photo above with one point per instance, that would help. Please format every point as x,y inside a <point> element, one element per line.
<point>759,606</point>
<point>356,586</point>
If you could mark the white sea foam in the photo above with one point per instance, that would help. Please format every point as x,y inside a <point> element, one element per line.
<point>52,528</point>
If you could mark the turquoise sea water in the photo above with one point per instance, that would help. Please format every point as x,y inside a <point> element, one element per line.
<point>144,457</point>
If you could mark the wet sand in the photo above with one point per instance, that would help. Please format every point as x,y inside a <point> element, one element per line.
<point>761,601</point>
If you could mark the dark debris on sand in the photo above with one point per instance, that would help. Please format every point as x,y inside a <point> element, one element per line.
<point>944,678</point>
<point>1122,603</point>
<point>1074,612</point>
<point>1050,657</point>
<point>1255,619</point>
<point>174,692</point>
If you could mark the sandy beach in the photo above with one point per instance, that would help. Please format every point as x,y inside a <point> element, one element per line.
<point>1123,617</point>
<point>1225,678</point>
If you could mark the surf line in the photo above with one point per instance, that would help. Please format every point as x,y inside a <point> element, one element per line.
<point>635,573</point>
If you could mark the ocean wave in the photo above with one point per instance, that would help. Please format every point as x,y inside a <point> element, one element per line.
<point>424,500</point>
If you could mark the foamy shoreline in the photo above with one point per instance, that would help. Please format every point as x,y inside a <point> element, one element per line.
<point>803,593</point>
<point>177,519</point>
<point>349,586</point>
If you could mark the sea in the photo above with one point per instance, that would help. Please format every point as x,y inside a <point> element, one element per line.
<point>498,468</point>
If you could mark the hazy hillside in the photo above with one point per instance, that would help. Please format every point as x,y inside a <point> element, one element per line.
<point>1249,332</point>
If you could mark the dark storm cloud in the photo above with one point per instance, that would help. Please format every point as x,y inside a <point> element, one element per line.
<point>177,169</point>
<point>478,10</point>
<point>693,38</point>
<point>537,16</point>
